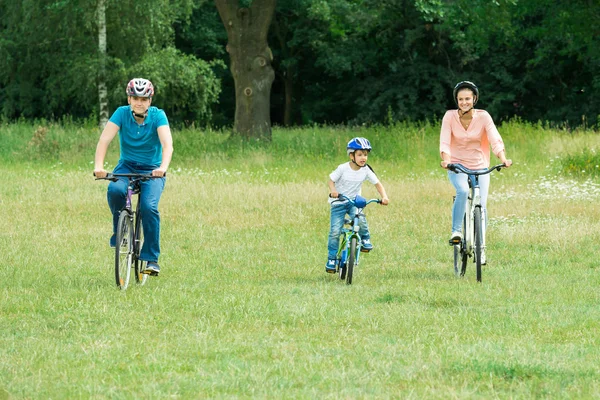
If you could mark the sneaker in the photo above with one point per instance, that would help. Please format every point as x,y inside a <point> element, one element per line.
<point>455,238</point>
<point>152,268</point>
<point>366,245</point>
<point>113,241</point>
<point>330,267</point>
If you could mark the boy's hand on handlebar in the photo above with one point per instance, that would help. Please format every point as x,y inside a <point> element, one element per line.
<point>334,195</point>
<point>385,201</point>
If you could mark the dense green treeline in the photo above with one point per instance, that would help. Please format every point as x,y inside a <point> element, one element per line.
<point>336,61</point>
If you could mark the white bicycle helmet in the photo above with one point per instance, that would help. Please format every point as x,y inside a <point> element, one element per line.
<point>140,87</point>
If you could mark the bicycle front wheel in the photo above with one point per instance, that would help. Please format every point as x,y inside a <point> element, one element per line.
<point>139,265</point>
<point>123,250</point>
<point>351,260</point>
<point>478,241</point>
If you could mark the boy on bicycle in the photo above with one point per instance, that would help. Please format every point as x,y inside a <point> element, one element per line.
<point>347,179</point>
<point>146,148</point>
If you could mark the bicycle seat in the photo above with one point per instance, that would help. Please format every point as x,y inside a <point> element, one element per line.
<point>135,187</point>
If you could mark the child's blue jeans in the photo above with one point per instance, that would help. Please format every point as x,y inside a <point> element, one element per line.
<point>151,191</point>
<point>338,213</point>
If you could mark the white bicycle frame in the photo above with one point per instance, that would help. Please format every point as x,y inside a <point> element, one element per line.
<point>473,201</point>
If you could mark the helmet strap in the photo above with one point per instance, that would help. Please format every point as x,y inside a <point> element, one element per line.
<point>140,115</point>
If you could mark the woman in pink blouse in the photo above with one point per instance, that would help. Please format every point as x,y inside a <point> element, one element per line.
<point>466,137</point>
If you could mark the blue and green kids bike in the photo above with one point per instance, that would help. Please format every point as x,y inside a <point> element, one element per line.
<point>348,254</point>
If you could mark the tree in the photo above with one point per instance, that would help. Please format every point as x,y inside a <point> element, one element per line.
<point>250,63</point>
<point>102,92</point>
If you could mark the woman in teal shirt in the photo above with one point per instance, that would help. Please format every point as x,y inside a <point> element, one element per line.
<point>146,147</point>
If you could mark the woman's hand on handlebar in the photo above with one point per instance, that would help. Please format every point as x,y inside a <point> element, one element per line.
<point>159,172</point>
<point>100,173</point>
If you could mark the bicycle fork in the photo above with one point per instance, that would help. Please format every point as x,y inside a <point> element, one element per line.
<point>343,249</point>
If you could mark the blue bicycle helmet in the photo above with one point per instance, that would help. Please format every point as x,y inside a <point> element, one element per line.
<point>466,85</point>
<point>358,143</point>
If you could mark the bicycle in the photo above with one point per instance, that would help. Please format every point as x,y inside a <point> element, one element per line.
<point>472,243</point>
<point>130,233</point>
<point>350,246</point>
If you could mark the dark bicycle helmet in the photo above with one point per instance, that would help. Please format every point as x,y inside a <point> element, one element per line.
<point>466,85</point>
<point>140,87</point>
<point>358,143</point>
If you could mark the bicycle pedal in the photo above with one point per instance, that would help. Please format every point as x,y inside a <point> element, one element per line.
<point>149,272</point>
<point>365,251</point>
<point>454,242</point>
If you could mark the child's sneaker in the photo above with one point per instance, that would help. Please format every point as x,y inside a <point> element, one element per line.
<point>366,245</point>
<point>330,267</point>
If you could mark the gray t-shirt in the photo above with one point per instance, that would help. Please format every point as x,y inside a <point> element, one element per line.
<point>348,181</point>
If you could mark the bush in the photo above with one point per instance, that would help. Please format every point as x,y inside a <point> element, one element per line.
<point>585,163</point>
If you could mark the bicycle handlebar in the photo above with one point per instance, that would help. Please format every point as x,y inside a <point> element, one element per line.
<point>362,202</point>
<point>115,177</point>
<point>461,168</point>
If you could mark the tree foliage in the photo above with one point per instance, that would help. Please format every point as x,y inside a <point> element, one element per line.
<point>338,61</point>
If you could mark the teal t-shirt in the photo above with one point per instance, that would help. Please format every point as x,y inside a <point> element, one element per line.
<point>140,142</point>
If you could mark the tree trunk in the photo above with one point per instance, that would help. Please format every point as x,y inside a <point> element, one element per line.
<point>102,92</point>
<point>250,64</point>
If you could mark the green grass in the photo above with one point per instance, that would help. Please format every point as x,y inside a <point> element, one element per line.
<point>244,309</point>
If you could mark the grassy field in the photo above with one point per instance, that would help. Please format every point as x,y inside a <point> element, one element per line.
<point>243,307</point>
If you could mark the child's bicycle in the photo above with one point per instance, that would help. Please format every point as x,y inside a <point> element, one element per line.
<point>473,231</point>
<point>348,254</point>
<point>130,234</point>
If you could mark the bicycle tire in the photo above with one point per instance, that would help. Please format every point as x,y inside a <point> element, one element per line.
<point>123,250</point>
<point>343,256</point>
<point>464,256</point>
<point>478,241</point>
<point>351,260</point>
<point>139,265</point>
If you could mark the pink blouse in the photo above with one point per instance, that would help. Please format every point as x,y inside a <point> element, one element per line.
<point>470,147</point>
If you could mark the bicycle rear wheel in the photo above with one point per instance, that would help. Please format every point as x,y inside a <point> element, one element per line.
<point>460,260</point>
<point>351,260</point>
<point>123,250</point>
<point>460,252</point>
<point>139,265</point>
<point>343,256</point>
<point>478,241</point>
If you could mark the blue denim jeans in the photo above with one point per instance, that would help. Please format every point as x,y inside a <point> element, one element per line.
<point>461,184</point>
<point>338,212</point>
<point>150,193</point>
